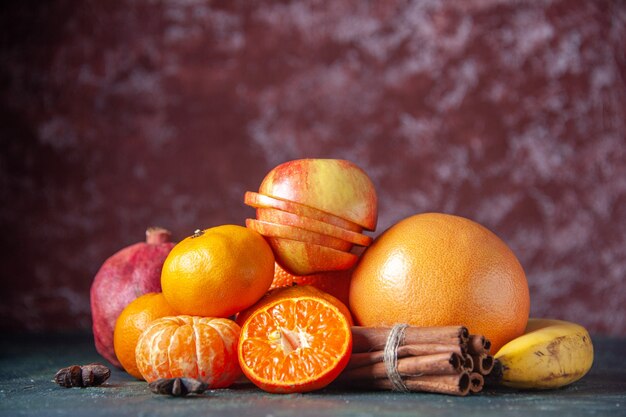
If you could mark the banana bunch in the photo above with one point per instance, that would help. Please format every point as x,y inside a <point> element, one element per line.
<point>550,354</point>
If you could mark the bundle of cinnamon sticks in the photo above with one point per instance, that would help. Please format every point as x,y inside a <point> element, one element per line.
<point>446,360</point>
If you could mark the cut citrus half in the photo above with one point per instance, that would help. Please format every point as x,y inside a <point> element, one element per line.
<point>257,200</point>
<point>295,344</point>
<point>290,219</point>
<point>293,291</point>
<point>302,258</point>
<point>269,229</point>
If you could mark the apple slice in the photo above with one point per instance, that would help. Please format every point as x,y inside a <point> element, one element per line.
<point>268,229</point>
<point>257,200</point>
<point>334,186</point>
<point>301,258</point>
<point>290,219</point>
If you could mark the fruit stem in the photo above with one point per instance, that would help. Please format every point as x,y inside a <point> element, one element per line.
<point>156,235</point>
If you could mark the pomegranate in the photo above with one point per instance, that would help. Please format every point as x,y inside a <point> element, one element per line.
<point>126,275</point>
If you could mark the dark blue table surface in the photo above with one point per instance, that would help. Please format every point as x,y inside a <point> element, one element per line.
<point>28,363</point>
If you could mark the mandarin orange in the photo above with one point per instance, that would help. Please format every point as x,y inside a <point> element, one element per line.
<point>294,344</point>
<point>203,348</point>
<point>218,271</point>
<point>437,269</point>
<point>132,321</point>
<point>294,291</point>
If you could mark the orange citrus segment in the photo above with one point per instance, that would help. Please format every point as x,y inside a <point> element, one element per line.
<point>182,355</point>
<point>295,345</point>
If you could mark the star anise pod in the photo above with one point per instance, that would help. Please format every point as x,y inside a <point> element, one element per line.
<point>177,387</point>
<point>83,376</point>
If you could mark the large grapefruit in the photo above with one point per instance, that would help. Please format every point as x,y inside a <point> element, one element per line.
<point>437,269</point>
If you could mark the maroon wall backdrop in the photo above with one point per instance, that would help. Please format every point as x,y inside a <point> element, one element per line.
<point>116,115</point>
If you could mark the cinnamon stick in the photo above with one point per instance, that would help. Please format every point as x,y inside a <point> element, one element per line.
<point>446,360</point>
<point>477,382</point>
<point>457,384</point>
<point>367,339</point>
<point>483,363</point>
<point>360,359</point>
<point>435,364</point>
<point>478,344</point>
<point>494,378</point>
<point>468,363</point>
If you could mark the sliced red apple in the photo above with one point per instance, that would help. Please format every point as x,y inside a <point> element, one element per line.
<point>334,186</point>
<point>268,229</point>
<point>291,219</point>
<point>301,258</point>
<point>263,201</point>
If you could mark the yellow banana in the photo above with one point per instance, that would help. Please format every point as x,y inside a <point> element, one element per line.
<point>550,354</point>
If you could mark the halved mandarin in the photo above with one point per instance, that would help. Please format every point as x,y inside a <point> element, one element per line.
<point>268,229</point>
<point>293,291</point>
<point>302,258</point>
<point>257,200</point>
<point>290,219</point>
<point>296,344</point>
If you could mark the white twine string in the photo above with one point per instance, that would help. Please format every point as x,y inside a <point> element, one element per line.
<point>390,356</point>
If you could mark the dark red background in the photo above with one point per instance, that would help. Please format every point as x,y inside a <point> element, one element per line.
<point>117,115</point>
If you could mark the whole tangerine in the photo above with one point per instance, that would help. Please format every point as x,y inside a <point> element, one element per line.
<point>217,272</point>
<point>436,269</point>
<point>132,321</point>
